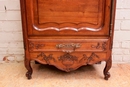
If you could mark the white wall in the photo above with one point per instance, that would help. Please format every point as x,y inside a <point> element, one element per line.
<point>121,50</point>
<point>11,42</point>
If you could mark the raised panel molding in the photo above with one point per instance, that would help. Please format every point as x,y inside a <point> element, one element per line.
<point>66,28</point>
<point>93,22</point>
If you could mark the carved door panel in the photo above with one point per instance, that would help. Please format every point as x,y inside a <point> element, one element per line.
<point>67,17</point>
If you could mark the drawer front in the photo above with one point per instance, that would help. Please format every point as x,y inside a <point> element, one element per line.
<point>68,61</point>
<point>68,45</point>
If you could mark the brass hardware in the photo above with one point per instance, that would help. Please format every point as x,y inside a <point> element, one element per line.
<point>68,47</point>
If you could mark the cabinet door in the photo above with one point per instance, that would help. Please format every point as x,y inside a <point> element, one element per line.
<point>68,17</point>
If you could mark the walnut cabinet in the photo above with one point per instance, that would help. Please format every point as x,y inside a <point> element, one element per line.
<point>68,33</point>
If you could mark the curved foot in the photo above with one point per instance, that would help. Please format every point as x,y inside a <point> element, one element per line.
<point>107,68</point>
<point>107,75</point>
<point>28,67</point>
<point>29,75</point>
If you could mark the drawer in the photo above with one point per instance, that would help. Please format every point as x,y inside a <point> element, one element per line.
<point>68,45</point>
<point>68,61</point>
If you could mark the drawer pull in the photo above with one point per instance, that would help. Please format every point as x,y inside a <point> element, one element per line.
<point>68,47</point>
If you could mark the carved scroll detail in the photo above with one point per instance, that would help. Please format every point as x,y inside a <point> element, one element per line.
<point>88,59</point>
<point>92,56</point>
<point>100,46</point>
<point>33,45</point>
<point>85,58</point>
<point>46,58</point>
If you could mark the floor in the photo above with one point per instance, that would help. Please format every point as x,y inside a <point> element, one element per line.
<point>13,75</point>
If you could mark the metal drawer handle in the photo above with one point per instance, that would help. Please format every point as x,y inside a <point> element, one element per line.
<point>68,47</point>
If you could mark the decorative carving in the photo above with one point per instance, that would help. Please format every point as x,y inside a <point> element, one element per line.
<point>68,47</point>
<point>46,58</point>
<point>92,56</point>
<point>35,46</point>
<point>104,45</point>
<point>100,46</point>
<point>88,59</point>
<point>85,58</point>
<point>67,59</point>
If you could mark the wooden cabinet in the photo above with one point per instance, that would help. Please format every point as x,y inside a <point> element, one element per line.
<point>68,33</point>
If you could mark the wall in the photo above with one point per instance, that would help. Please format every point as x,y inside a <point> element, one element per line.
<point>121,50</point>
<point>11,42</point>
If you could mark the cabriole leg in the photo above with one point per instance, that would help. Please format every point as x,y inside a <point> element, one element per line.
<point>28,67</point>
<point>107,68</point>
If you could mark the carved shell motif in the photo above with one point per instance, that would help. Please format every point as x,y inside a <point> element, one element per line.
<point>67,59</point>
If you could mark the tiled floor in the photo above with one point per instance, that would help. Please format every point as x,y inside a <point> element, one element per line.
<point>13,75</point>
